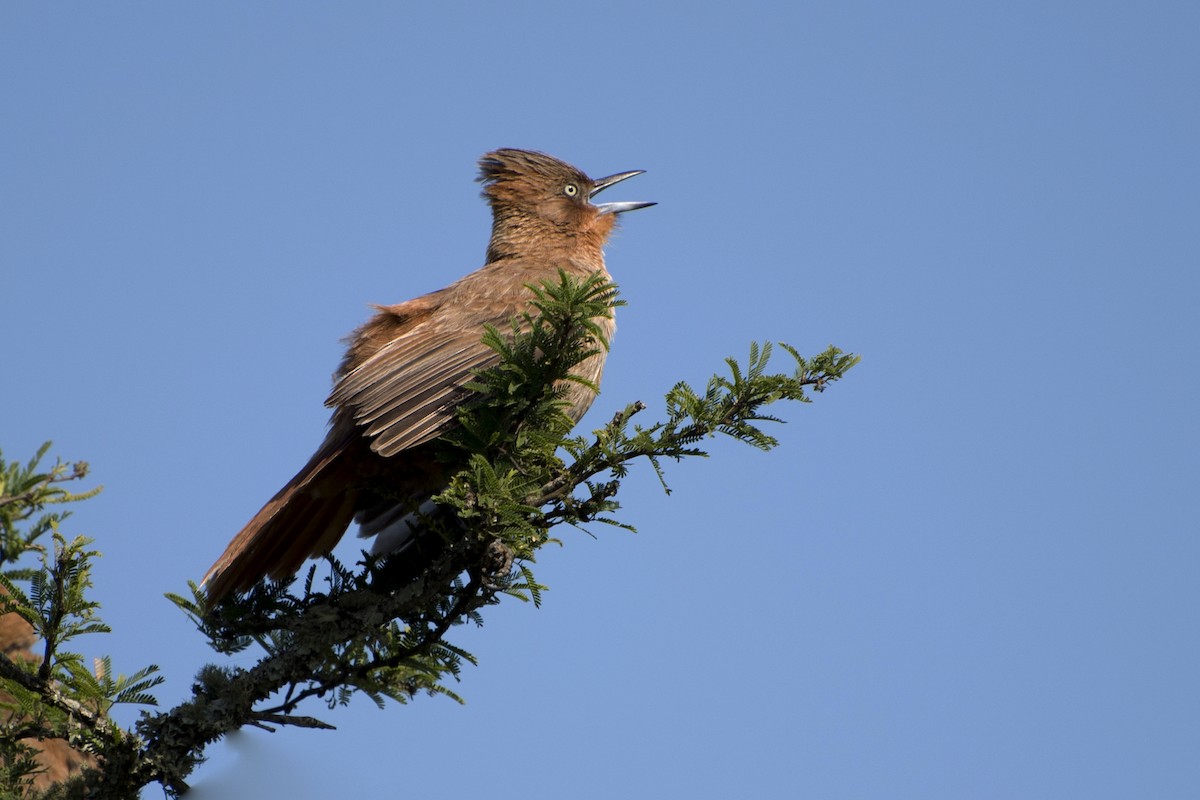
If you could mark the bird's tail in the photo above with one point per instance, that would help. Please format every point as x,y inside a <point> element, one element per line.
<point>305,518</point>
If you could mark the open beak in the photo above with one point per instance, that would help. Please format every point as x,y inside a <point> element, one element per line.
<point>601,184</point>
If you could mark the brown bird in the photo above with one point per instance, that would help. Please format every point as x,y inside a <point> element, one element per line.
<point>404,373</point>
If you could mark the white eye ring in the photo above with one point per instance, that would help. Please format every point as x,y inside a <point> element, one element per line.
<point>570,190</point>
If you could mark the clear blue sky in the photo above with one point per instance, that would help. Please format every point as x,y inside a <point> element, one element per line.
<point>969,571</point>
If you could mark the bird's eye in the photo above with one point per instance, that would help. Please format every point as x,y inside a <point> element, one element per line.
<point>570,190</point>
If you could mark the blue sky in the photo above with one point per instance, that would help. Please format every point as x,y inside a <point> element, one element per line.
<point>968,571</point>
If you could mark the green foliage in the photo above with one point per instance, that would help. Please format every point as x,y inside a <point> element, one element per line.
<point>25,492</point>
<point>58,609</point>
<point>521,404</point>
<point>731,406</point>
<point>102,690</point>
<point>18,764</point>
<point>56,696</point>
<point>379,628</point>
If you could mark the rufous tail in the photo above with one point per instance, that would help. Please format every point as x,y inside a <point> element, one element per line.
<point>305,518</point>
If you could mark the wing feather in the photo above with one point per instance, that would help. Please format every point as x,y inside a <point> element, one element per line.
<point>405,391</point>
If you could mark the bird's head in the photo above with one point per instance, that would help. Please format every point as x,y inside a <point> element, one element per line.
<point>537,198</point>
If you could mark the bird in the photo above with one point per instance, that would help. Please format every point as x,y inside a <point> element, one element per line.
<point>405,372</point>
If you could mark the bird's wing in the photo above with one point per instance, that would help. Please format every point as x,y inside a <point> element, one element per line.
<point>404,393</point>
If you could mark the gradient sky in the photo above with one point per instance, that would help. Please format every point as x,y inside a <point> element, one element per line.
<point>970,570</point>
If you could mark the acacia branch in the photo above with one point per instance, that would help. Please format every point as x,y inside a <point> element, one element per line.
<point>259,718</point>
<point>381,629</point>
<point>45,689</point>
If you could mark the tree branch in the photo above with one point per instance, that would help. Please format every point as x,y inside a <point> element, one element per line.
<point>379,629</point>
